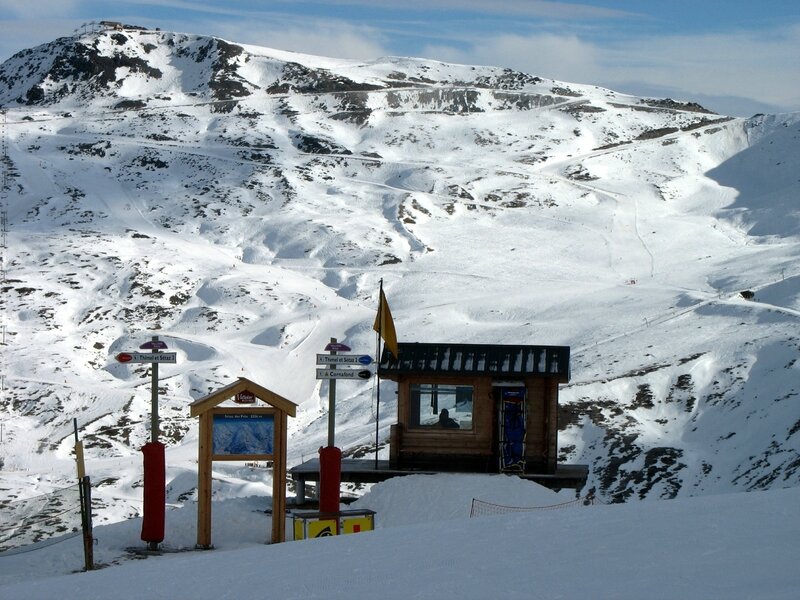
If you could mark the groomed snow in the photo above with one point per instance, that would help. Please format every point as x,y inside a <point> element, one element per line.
<point>426,546</point>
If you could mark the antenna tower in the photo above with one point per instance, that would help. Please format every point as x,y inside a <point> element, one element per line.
<point>3,250</point>
<point>3,204</point>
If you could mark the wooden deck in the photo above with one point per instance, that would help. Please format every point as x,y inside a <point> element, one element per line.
<point>356,470</point>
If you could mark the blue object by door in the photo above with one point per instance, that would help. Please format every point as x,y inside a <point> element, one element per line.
<point>512,429</point>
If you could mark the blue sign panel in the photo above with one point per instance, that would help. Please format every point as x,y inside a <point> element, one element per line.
<point>243,434</point>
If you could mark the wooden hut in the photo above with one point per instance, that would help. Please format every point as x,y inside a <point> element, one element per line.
<point>476,407</point>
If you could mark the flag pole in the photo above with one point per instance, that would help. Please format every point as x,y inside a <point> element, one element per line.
<point>378,371</point>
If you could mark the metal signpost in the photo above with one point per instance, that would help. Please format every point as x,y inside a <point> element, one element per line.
<point>333,348</point>
<point>154,464</point>
<point>330,457</point>
<point>332,373</point>
<point>154,358</point>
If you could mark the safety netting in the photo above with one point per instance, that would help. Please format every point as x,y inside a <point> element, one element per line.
<point>481,508</point>
<point>44,517</point>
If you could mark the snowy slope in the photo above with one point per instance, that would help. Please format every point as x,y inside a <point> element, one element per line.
<point>243,203</point>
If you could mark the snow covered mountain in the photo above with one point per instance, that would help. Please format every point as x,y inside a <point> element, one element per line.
<point>243,203</point>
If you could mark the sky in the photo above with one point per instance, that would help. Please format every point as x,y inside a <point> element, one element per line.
<point>737,57</point>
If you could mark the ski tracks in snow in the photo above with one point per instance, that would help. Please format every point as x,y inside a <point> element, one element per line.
<point>730,298</point>
<point>625,232</point>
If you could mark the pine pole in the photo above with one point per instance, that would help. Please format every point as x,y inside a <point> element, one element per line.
<point>378,370</point>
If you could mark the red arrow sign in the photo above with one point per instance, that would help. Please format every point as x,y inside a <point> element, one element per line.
<point>124,357</point>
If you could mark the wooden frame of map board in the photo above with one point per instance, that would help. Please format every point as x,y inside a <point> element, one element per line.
<point>206,408</point>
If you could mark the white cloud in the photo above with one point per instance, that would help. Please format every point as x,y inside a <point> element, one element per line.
<point>564,57</point>
<point>323,38</point>
<point>527,8</point>
<point>28,33</point>
<point>756,65</point>
<point>759,65</point>
<point>34,9</point>
<point>229,8</point>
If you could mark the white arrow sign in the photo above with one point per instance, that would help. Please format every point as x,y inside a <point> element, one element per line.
<point>144,357</point>
<point>343,374</point>
<point>343,359</point>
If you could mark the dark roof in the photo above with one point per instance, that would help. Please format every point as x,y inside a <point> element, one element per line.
<point>477,359</point>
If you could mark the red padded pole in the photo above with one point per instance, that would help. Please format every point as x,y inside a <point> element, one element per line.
<point>155,494</point>
<point>330,478</point>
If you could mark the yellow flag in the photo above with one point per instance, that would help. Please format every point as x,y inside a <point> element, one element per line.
<point>384,325</point>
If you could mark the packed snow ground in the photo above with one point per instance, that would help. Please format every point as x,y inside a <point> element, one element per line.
<point>732,546</point>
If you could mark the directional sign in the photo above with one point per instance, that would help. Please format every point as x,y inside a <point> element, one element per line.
<point>343,359</point>
<point>154,345</point>
<point>145,357</point>
<point>337,347</point>
<point>343,374</point>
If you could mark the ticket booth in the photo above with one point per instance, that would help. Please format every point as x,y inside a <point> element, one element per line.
<point>476,407</point>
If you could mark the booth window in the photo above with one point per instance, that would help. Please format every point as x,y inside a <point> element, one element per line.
<point>440,406</point>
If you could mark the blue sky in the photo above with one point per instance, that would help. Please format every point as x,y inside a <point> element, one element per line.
<point>734,56</point>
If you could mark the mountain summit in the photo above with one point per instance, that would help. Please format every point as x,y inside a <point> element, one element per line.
<point>244,202</point>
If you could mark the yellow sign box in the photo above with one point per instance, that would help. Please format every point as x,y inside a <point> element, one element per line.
<point>322,528</point>
<point>309,525</point>
<point>357,524</point>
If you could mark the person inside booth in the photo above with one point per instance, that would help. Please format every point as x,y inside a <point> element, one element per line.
<point>427,400</point>
<point>445,420</point>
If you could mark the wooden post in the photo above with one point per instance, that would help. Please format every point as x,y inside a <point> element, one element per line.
<point>86,520</point>
<point>204,482</point>
<point>85,495</point>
